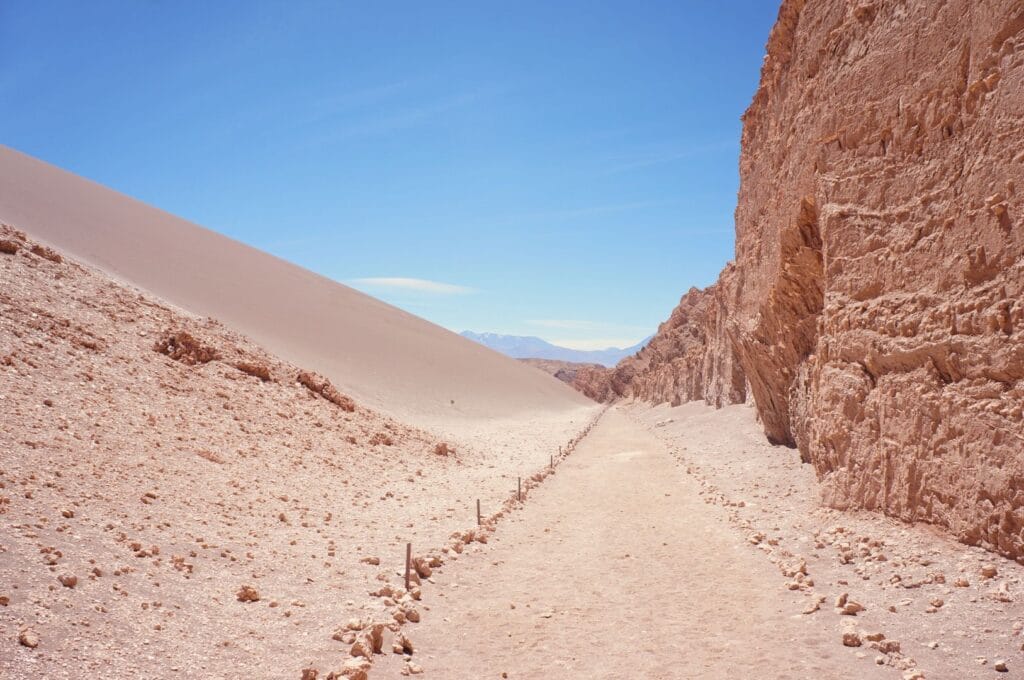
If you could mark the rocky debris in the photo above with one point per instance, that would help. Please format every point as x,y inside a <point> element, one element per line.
<point>111,474</point>
<point>320,385</point>
<point>28,638</point>
<point>68,580</point>
<point>442,449</point>
<point>184,347</point>
<point>354,668</point>
<point>247,594</point>
<point>989,571</point>
<point>381,438</point>
<point>370,560</point>
<point>345,636</point>
<point>46,253</point>
<point>362,647</point>
<point>422,567</point>
<point>401,644</point>
<point>309,674</point>
<point>9,247</point>
<point>814,605</point>
<point>851,639</point>
<point>256,369</point>
<point>1000,666</point>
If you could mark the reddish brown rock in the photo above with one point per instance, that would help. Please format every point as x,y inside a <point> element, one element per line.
<point>879,323</point>
<point>689,358</point>
<point>247,594</point>
<point>874,311</point>
<point>318,384</point>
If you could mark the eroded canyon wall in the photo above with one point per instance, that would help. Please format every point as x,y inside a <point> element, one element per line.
<point>875,308</point>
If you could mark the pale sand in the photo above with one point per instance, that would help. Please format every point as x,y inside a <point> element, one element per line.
<point>616,569</point>
<point>387,358</point>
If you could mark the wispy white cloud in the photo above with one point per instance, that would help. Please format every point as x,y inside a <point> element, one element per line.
<point>585,326</point>
<point>594,343</point>
<point>411,284</point>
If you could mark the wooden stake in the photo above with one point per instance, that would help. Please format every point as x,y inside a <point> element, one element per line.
<point>519,490</point>
<point>551,461</point>
<point>478,520</point>
<point>408,564</point>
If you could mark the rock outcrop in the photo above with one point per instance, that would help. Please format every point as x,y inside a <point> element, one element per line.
<point>874,312</point>
<point>689,358</point>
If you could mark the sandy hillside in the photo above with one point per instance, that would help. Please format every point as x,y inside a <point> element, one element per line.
<point>152,463</point>
<point>392,360</point>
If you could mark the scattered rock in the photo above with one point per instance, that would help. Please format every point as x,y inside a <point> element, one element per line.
<point>28,638</point>
<point>402,644</point>
<point>320,385</point>
<point>989,571</point>
<point>852,639</point>
<point>181,346</point>
<point>247,594</point>
<point>47,253</point>
<point>345,636</point>
<point>363,647</point>
<point>255,369</point>
<point>68,580</point>
<point>353,669</point>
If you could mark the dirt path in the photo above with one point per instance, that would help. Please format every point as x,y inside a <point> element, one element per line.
<point>616,568</point>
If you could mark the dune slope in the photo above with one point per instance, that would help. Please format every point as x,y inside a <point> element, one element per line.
<point>383,356</point>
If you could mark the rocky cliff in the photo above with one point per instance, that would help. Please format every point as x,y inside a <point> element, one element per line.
<point>689,357</point>
<point>875,310</point>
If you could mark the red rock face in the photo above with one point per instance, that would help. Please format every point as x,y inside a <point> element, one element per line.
<point>879,223</point>
<point>876,305</point>
<point>689,357</point>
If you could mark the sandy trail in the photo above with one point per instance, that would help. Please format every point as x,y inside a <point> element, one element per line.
<point>616,568</point>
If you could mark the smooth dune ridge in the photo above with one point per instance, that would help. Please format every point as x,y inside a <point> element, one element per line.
<point>383,356</point>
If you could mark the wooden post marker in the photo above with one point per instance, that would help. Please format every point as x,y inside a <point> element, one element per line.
<point>551,461</point>
<point>408,564</point>
<point>478,520</point>
<point>519,490</point>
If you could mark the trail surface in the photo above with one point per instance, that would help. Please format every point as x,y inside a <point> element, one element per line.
<point>615,568</point>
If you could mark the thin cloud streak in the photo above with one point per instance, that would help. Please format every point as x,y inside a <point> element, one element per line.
<point>595,343</point>
<point>581,325</point>
<point>411,284</point>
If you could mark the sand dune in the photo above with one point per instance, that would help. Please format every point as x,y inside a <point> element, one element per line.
<point>387,358</point>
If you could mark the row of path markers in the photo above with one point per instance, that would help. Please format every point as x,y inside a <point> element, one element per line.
<point>519,497</point>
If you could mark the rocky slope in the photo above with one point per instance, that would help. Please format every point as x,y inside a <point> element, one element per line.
<point>590,379</point>
<point>874,310</point>
<point>175,501</point>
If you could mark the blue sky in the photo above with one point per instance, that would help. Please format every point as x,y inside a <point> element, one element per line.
<point>561,169</point>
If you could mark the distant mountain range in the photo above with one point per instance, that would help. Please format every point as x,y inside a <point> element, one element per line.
<point>530,347</point>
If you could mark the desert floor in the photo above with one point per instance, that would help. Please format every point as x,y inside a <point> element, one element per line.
<point>661,549</point>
